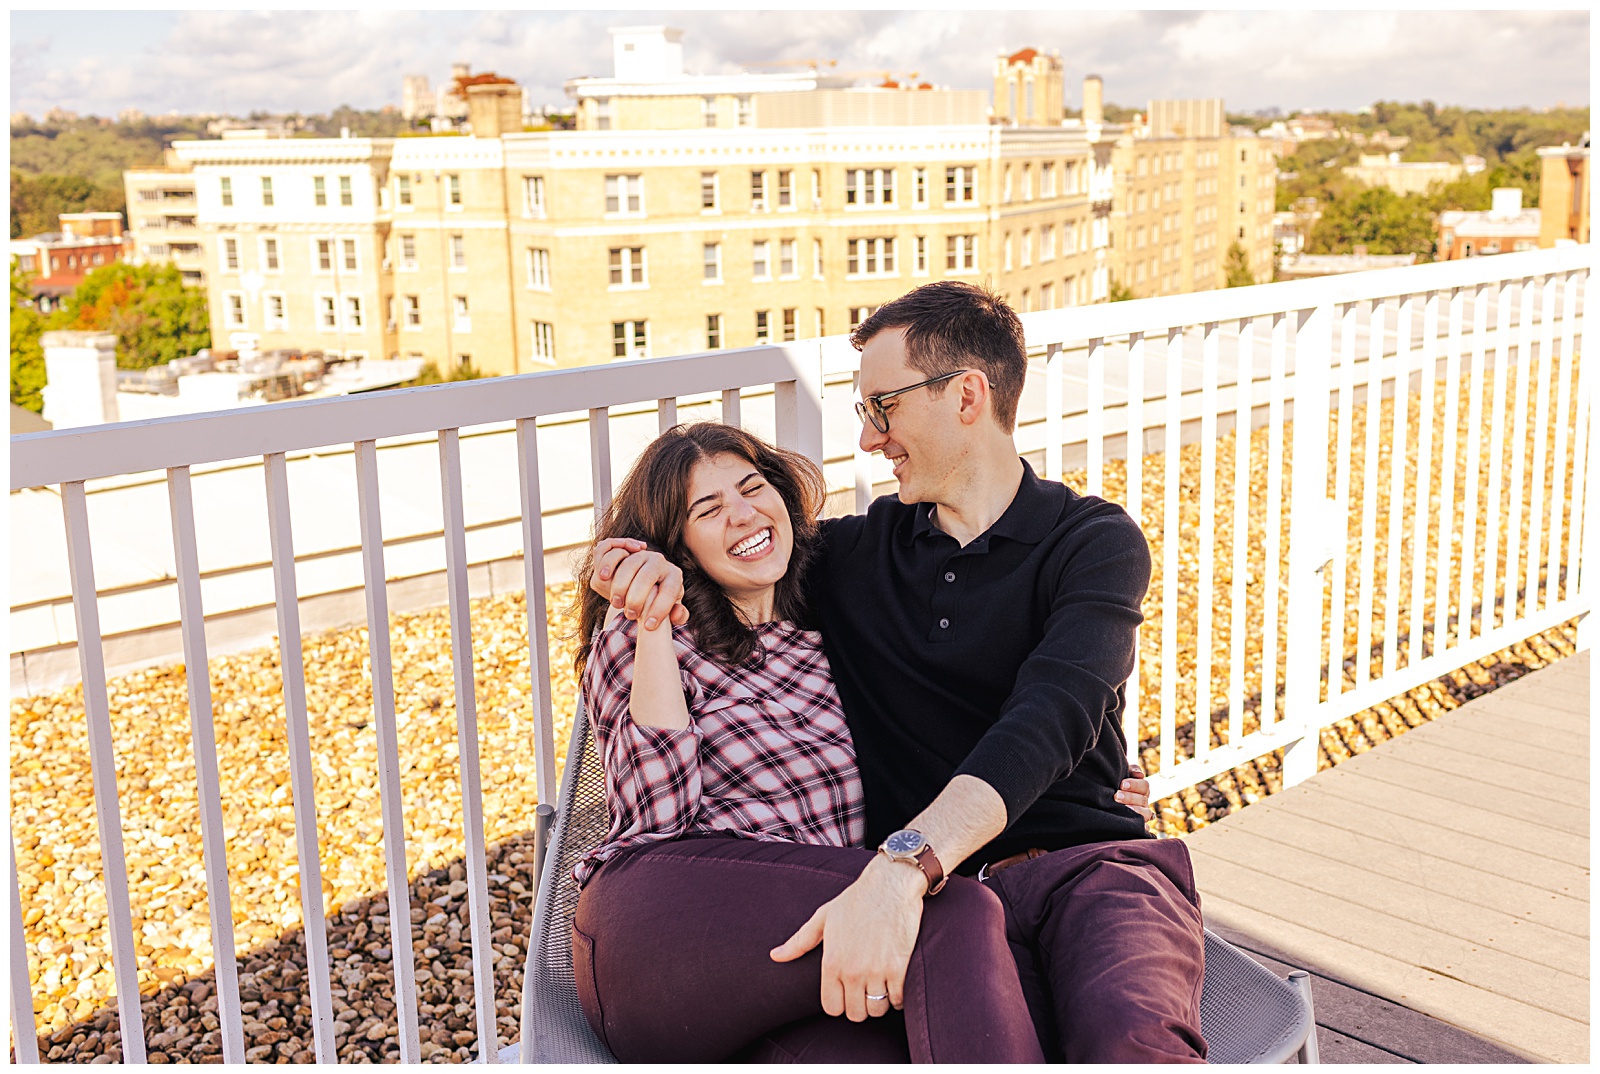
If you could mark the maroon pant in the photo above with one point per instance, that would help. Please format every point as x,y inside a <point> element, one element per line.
<point>670,952</point>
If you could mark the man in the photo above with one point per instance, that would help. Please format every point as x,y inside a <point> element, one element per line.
<point>980,627</point>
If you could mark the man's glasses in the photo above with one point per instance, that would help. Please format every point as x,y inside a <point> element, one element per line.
<point>871,408</point>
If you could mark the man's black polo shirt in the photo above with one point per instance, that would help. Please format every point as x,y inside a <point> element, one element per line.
<point>1003,660</point>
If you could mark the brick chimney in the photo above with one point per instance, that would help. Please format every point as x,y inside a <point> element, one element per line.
<point>494,109</point>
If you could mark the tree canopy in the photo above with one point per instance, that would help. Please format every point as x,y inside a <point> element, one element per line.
<point>1377,218</point>
<point>1237,267</point>
<point>153,315</point>
<point>27,355</point>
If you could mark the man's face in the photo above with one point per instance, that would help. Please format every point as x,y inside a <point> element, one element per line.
<point>925,437</point>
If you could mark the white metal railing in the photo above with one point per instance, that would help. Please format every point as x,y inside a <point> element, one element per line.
<point>1127,381</point>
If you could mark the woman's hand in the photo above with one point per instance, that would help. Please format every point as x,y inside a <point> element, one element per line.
<point>1135,792</point>
<point>638,581</point>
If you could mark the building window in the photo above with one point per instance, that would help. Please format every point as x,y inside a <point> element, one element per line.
<point>786,258</point>
<point>227,192</point>
<point>708,190</point>
<point>1005,186</point>
<point>413,312</point>
<point>869,186</point>
<point>859,314</point>
<point>327,313</point>
<point>870,257</point>
<point>269,254</point>
<point>235,309</point>
<point>266,190</point>
<point>627,266</point>
<point>960,253</point>
<point>544,342</point>
<point>458,251</point>
<point>921,265</point>
<point>959,185</point>
<point>1046,295</point>
<point>319,191</point>
<point>819,322</point>
<point>352,312</point>
<point>816,258</point>
<point>389,307</point>
<point>1027,182</point>
<point>408,251</point>
<point>816,188</point>
<point>1027,247</point>
<point>452,185</point>
<point>758,192</point>
<point>760,260</point>
<point>602,113</point>
<point>711,253</point>
<point>533,195</point>
<point>708,110</point>
<point>630,339</point>
<point>1047,179</point>
<point>786,190</point>
<point>919,187</point>
<point>1005,252</point>
<point>763,326</point>
<point>713,331</point>
<point>402,188</point>
<point>276,318</point>
<point>1047,243</point>
<point>538,269</point>
<point>625,194</point>
<point>789,325</point>
<point>351,264</point>
<point>463,317</point>
<point>746,113</point>
<point>346,192</point>
<point>230,254</point>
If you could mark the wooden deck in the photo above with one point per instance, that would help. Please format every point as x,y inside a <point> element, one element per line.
<point>1437,886</point>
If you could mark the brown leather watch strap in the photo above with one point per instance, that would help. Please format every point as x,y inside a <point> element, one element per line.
<point>931,867</point>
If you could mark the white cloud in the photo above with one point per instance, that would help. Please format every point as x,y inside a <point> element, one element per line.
<point>312,61</point>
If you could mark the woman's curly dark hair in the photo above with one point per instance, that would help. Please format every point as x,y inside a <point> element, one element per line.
<point>652,505</point>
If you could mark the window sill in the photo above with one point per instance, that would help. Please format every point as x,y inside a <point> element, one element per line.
<point>628,287</point>
<point>711,283</point>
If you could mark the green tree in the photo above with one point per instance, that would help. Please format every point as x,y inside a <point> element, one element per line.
<point>1377,218</point>
<point>27,353</point>
<point>1118,291</point>
<point>1237,266</point>
<point>153,315</point>
<point>37,203</point>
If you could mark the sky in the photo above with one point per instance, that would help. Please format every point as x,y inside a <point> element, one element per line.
<point>238,61</point>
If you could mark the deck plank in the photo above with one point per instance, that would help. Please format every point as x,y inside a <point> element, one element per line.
<point>1441,876</point>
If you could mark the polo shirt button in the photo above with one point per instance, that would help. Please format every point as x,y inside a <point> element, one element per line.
<point>944,624</point>
<point>949,576</point>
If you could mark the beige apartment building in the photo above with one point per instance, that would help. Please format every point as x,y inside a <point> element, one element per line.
<point>163,218</point>
<point>1188,187</point>
<point>515,251</point>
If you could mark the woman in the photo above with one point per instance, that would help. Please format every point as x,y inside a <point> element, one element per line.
<point>735,802</point>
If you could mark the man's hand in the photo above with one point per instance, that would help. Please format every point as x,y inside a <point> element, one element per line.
<point>867,933</point>
<point>1135,792</point>
<point>638,581</point>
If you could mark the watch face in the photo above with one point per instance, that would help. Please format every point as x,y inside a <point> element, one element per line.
<point>904,841</point>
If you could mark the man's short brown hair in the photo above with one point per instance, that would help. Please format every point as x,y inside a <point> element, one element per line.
<point>952,325</point>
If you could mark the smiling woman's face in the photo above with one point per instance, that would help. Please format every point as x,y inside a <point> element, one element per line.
<point>739,532</point>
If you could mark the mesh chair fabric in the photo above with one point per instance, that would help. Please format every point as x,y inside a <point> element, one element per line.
<point>1247,1013</point>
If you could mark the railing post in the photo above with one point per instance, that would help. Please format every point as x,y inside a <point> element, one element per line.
<point>798,403</point>
<point>1313,360</point>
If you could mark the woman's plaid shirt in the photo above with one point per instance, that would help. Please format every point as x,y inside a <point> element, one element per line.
<point>767,754</point>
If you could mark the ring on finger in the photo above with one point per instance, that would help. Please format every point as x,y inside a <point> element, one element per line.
<point>870,996</point>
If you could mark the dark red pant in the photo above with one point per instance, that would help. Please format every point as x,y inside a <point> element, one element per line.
<point>670,951</point>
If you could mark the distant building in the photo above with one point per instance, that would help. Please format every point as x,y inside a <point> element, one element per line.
<point>62,259</point>
<point>1305,266</point>
<point>1410,177</point>
<point>1187,188</point>
<point>1028,90</point>
<point>1564,193</point>
<point>1505,228</point>
<point>162,222</point>
<point>651,91</point>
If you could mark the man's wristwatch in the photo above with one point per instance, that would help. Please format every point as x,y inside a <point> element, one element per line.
<point>912,848</point>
